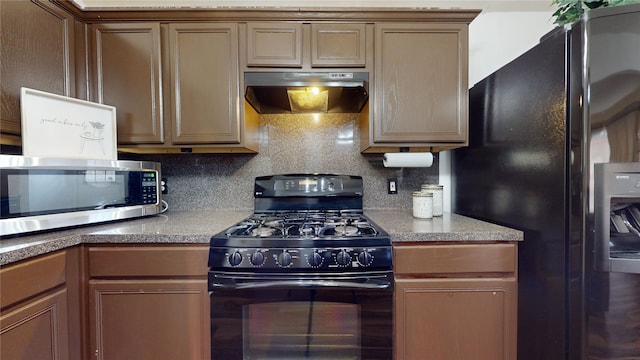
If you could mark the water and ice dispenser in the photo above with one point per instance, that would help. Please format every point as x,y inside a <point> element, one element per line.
<point>617,217</point>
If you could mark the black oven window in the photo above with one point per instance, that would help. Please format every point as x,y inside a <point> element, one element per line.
<point>301,330</point>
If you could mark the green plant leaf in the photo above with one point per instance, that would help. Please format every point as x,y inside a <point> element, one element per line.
<point>569,11</point>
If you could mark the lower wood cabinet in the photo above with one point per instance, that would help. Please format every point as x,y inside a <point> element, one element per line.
<point>34,315</point>
<point>452,301</point>
<point>456,301</point>
<point>36,330</point>
<point>149,302</point>
<point>149,319</point>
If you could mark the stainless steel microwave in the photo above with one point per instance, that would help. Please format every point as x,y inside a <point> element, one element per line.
<point>47,193</point>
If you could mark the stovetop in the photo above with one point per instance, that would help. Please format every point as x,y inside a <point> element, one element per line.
<point>304,222</point>
<point>303,229</point>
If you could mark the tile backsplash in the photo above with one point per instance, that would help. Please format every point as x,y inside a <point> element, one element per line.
<point>301,143</point>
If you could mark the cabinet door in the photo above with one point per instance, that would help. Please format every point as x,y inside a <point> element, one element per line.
<point>36,330</point>
<point>204,83</point>
<point>421,84</point>
<point>149,319</point>
<point>274,44</point>
<point>37,52</point>
<point>128,76</point>
<point>340,45</point>
<point>455,319</point>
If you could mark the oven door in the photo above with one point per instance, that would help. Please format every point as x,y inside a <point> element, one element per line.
<point>258,316</point>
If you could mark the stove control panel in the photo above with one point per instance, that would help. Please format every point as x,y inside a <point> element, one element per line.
<point>305,259</point>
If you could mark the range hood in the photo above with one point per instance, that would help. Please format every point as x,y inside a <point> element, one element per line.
<point>305,92</point>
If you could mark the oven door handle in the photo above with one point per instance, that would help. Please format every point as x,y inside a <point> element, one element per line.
<point>367,284</point>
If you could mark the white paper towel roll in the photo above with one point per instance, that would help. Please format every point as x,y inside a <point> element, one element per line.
<point>408,159</point>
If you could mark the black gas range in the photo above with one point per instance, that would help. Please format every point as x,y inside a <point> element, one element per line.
<point>306,276</point>
<point>304,222</point>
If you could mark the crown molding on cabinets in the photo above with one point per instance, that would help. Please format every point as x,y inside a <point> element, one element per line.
<point>486,5</point>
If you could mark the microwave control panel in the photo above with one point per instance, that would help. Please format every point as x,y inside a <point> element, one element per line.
<point>149,187</point>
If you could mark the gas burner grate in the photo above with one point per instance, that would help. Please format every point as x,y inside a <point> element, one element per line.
<point>304,224</point>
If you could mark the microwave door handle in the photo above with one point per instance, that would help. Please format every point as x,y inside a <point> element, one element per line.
<point>369,284</point>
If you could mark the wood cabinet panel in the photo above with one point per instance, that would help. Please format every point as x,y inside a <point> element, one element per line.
<point>148,302</point>
<point>150,319</point>
<point>274,44</point>
<point>455,319</point>
<point>36,330</point>
<point>34,321</point>
<point>420,85</point>
<point>455,301</point>
<point>338,45</point>
<point>37,52</point>
<point>204,83</point>
<point>461,258</point>
<point>29,278</point>
<point>127,75</point>
<point>148,261</point>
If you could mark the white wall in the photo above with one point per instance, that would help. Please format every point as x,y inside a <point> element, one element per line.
<point>496,38</point>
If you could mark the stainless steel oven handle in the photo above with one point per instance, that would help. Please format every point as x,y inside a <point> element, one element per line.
<point>369,284</point>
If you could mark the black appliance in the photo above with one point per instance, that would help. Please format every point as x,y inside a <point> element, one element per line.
<point>553,151</point>
<point>303,92</point>
<point>306,276</point>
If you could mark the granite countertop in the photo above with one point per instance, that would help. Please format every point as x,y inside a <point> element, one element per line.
<point>403,227</point>
<point>197,227</point>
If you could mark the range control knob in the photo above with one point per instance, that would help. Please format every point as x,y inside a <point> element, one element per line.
<point>365,258</point>
<point>257,258</point>
<point>284,259</point>
<point>235,258</point>
<point>315,259</point>
<point>343,258</point>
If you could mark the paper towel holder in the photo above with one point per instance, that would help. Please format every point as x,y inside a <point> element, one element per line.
<point>407,159</point>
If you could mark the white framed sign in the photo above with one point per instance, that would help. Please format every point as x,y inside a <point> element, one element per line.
<point>59,126</point>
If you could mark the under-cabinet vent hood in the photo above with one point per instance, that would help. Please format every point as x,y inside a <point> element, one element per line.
<point>300,92</point>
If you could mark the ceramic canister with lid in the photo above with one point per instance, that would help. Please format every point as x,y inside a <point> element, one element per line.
<point>422,205</point>
<point>437,191</point>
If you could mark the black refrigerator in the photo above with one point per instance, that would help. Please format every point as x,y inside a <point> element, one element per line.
<point>553,151</point>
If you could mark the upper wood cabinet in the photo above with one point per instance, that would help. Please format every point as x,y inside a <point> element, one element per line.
<point>338,45</point>
<point>127,74</point>
<point>420,88</point>
<point>204,83</point>
<point>37,52</point>
<point>305,46</point>
<point>174,86</point>
<point>274,44</point>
